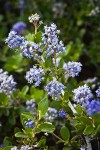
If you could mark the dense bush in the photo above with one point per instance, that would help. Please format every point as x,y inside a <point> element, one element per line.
<point>49,89</point>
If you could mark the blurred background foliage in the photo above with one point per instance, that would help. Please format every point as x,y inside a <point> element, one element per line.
<point>79,23</point>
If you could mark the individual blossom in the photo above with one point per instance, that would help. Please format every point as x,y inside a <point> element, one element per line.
<point>62,114</point>
<point>33,18</point>
<point>82,95</point>
<point>35,76</point>
<point>30,49</point>
<point>14,40</point>
<point>7,83</point>
<point>51,41</point>
<point>29,123</point>
<point>26,147</point>
<point>51,114</point>
<point>72,69</point>
<point>98,92</point>
<point>19,27</point>
<point>55,88</point>
<point>14,148</point>
<point>31,106</point>
<point>93,107</point>
<point>23,147</point>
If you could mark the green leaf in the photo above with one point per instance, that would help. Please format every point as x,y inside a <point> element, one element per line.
<point>85,120</point>
<point>79,109</point>
<point>65,133</point>
<point>96,118</point>
<point>16,130</point>
<point>49,63</point>
<point>88,130</point>
<point>46,127</point>
<point>98,129</point>
<point>30,37</point>
<point>28,115</point>
<point>25,90</point>
<point>21,135</point>
<point>43,107</point>
<point>36,93</point>
<point>42,142</point>
<point>13,63</point>
<point>61,63</point>
<point>7,141</point>
<point>7,148</point>
<point>38,37</point>
<point>4,100</point>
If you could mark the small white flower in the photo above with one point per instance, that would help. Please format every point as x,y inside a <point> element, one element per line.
<point>34,17</point>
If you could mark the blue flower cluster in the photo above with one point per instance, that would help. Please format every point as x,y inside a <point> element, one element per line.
<point>50,39</point>
<point>62,114</point>
<point>51,114</point>
<point>54,88</point>
<point>82,95</point>
<point>98,92</point>
<point>72,69</point>
<point>35,75</point>
<point>93,107</point>
<point>18,27</point>
<point>31,106</point>
<point>29,123</point>
<point>7,83</point>
<point>30,49</point>
<point>14,40</point>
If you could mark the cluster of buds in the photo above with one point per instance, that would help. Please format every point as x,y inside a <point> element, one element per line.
<point>35,20</point>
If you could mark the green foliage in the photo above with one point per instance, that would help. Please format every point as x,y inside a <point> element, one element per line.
<point>13,63</point>
<point>21,135</point>
<point>89,130</point>
<point>38,37</point>
<point>45,127</point>
<point>65,134</point>
<point>36,93</point>
<point>4,99</point>
<point>25,90</point>
<point>42,107</point>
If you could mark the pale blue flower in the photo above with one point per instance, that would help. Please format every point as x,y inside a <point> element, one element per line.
<point>82,95</point>
<point>72,69</point>
<point>93,107</point>
<point>55,88</point>
<point>14,40</point>
<point>51,114</point>
<point>7,83</point>
<point>35,75</point>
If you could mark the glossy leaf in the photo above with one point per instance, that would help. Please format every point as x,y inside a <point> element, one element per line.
<point>65,134</point>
